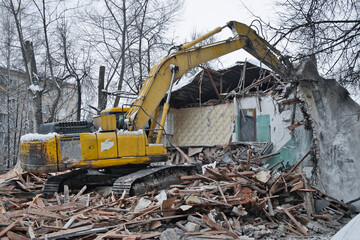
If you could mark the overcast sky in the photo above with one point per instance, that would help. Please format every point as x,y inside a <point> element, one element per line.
<point>204,15</point>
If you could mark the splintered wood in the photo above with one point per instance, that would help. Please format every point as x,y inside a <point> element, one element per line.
<point>232,198</point>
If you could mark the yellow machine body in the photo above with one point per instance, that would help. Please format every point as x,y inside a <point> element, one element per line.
<point>109,147</point>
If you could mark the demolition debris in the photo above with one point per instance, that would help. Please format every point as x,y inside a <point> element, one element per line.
<point>232,197</point>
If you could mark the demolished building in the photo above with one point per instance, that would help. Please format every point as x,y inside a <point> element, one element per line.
<point>240,194</point>
<point>205,115</point>
<point>313,120</point>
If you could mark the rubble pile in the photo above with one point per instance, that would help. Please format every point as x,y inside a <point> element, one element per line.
<point>229,198</point>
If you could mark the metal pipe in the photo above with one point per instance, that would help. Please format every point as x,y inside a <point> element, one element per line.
<point>203,37</point>
<point>166,105</point>
<point>237,120</point>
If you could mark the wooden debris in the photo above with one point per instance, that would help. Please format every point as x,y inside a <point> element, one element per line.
<point>8,228</point>
<point>296,222</point>
<point>220,203</point>
<point>300,161</point>
<point>15,236</point>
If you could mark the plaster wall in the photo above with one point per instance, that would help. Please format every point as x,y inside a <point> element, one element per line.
<point>336,123</point>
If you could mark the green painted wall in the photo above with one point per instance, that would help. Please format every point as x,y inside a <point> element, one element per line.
<point>263,128</point>
<point>288,153</point>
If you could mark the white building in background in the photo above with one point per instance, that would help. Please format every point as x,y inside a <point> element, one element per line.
<point>16,110</point>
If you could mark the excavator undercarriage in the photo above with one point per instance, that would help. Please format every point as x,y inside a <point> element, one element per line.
<point>134,180</point>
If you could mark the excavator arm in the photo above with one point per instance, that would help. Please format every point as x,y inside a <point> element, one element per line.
<point>189,56</point>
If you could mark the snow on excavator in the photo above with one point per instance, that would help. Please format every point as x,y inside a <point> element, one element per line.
<point>120,147</point>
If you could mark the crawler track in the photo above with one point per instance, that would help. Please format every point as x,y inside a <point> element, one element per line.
<point>150,179</point>
<point>136,183</point>
<point>55,183</point>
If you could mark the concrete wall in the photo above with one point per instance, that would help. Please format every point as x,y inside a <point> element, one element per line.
<point>336,123</point>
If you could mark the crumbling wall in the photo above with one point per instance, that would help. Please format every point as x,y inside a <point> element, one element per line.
<point>213,125</point>
<point>270,120</point>
<point>336,128</point>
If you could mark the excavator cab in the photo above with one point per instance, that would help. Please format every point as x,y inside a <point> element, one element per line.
<point>111,119</point>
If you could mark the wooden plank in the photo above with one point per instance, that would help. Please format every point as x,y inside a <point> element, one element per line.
<point>270,207</point>
<point>71,220</point>
<point>290,101</point>
<point>136,236</point>
<point>102,212</point>
<point>227,222</point>
<point>185,156</point>
<point>66,194</point>
<point>15,214</point>
<point>200,177</point>
<point>79,193</point>
<point>300,161</point>
<point>217,176</point>
<point>53,227</point>
<point>216,226</point>
<point>57,198</point>
<point>275,164</point>
<point>22,180</point>
<point>294,108</point>
<point>141,222</point>
<point>248,160</point>
<point>222,194</point>
<point>23,186</point>
<point>68,233</point>
<point>321,216</point>
<point>216,202</point>
<point>258,82</point>
<point>295,221</point>
<point>207,232</point>
<point>297,186</point>
<point>81,223</point>
<point>193,151</point>
<point>44,213</point>
<point>294,231</point>
<point>265,156</point>
<point>8,228</point>
<point>295,125</point>
<point>15,236</point>
<point>62,207</point>
<point>31,233</point>
<point>309,199</point>
<point>178,224</point>
<point>213,84</point>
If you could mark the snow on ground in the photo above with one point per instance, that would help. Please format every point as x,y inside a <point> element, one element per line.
<point>350,231</point>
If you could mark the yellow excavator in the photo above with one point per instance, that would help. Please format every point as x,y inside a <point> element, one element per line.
<point>117,143</point>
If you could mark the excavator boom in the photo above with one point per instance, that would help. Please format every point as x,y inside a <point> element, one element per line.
<point>189,56</point>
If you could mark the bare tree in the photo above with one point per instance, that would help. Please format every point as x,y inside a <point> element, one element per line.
<point>127,35</point>
<point>13,95</point>
<point>28,58</point>
<point>330,30</point>
<point>76,64</point>
<point>153,21</point>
